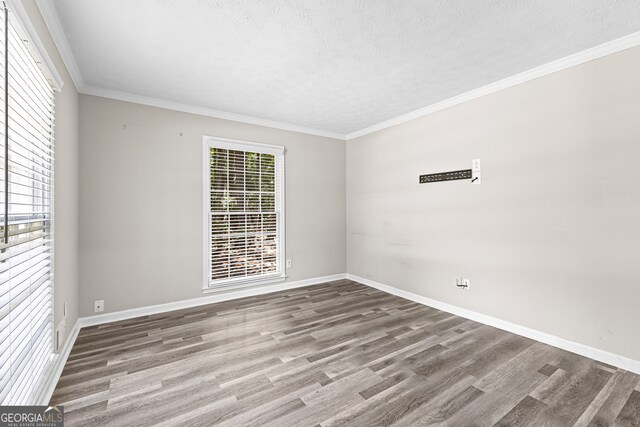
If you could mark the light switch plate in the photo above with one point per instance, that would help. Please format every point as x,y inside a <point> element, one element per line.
<point>476,178</point>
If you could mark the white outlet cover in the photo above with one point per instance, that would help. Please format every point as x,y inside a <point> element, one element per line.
<point>98,306</point>
<point>476,165</point>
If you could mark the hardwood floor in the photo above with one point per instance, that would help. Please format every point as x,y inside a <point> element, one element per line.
<point>333,354</point>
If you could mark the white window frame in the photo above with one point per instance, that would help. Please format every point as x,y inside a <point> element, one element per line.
<point>232,144</point>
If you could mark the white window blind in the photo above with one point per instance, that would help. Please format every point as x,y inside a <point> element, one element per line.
<point>26,238</point>
<point>244,212</point>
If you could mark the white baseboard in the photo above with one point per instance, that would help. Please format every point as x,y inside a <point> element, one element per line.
<point>207,299</point>
<point>581,349</point>
<point>574,347</point>
<point>56,367</point>
<point>59,360</point>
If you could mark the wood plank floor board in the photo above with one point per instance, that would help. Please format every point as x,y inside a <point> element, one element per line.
<point>523,413</point>
<point>630,414</point>
<point>579,393</point>
<point>373,411</point>
<point>551,386</point>
<point>443,405</point>
<point>333,354</point>
<point>609,402</point>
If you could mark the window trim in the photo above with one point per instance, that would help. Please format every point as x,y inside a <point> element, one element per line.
<point>209,142</point>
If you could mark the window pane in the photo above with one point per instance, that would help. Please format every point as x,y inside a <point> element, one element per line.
<point>252,181</point>
<point>252,163</point>
<point>236,180</point>
<point>219,158</point>
<point>253,202</point>
<point>219,258</point>
<point>269,223</point>
<point>218,201</point>
<point>244,221</point>
<point>219,224</point>
<point>267,172</point>
<point>269,254</point>
<point>268,202</point>
<point>219,180</point>
<point>235,201</point>
<point>238,254</point>
<point>238,224</point>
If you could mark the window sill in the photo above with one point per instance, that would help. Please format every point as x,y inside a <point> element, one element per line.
<point>243,284</point>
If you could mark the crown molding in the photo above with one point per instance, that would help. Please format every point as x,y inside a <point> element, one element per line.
<point>55,28</point>
<point>596,52</point>
<point>16,7</point>
<point>52,21</point>
<point>204,111</point>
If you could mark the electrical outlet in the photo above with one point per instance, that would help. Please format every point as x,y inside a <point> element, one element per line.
<point>288,263</point>
<point>466,284</point>
<point>98,306</point>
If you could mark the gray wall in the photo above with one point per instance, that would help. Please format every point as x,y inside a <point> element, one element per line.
<point>66,182</point>
<point>551,238</point>
<point>141,202</point>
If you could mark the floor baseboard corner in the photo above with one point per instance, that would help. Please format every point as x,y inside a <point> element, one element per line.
<point>206,299</point>
<point>60,359</point>
<point>600,355</point>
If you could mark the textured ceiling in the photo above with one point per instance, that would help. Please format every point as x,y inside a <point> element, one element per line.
<point>335,65</point>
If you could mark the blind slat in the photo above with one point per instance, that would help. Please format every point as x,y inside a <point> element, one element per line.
<point>245,205</point>
<point>26,238</point>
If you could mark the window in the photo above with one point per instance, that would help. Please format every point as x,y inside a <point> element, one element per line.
<point>26,238</point>
<point>244,212</point>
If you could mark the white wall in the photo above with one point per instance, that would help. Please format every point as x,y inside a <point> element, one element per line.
<point>550,239</point>
<point>66,182</point>
<point>141,202</point>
